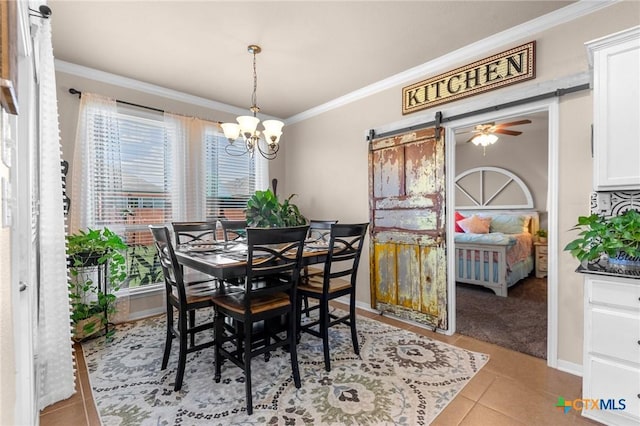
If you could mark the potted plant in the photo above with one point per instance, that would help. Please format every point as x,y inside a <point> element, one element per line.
<point>264,210</point>
<point>542,235</point>
<point>91,303</point>
<point>616,237</point>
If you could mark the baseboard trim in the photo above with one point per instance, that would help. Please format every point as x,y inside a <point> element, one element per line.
<point>569,367</point>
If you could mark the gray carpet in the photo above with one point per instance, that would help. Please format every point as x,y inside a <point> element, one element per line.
<point>517,322</point>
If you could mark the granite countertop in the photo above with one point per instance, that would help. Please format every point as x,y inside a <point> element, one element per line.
<point>610,270</point>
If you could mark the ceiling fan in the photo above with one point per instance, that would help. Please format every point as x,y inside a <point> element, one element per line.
<point>485,134</point>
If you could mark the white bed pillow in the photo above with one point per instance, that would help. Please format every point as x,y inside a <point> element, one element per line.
<point>475,224</point>
<point>510,224</point>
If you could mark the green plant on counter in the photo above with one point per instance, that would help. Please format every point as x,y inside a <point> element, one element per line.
<point>90,304</point>
<point>613,236</point>
<point>264,210</point>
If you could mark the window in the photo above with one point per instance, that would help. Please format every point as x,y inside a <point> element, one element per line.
<point>230,180</point>
<point>139,168</point>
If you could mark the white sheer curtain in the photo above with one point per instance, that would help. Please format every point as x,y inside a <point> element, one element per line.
<point>55,353</point>
<point>183,174</point>
<point>95,157</point>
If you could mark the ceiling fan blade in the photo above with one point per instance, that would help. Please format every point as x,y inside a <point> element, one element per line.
<point>514,123</point>
<point>508,132</point>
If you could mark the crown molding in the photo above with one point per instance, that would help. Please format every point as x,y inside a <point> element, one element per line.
<point>443,63</point>
<point>152,89</point>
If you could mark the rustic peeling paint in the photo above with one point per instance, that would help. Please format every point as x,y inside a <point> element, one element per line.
<point>408,255</point>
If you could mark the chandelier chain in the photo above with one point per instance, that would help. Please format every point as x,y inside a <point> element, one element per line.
<point>254,96</point>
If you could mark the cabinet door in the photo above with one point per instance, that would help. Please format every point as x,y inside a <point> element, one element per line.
<point>611,382</point>
<point>616,94</point>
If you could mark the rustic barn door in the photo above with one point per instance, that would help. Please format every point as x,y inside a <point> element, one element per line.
<point>408,229</point>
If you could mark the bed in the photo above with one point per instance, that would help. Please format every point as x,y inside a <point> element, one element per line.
<point>495,247</point>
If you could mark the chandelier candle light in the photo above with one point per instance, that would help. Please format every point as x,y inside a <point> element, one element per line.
<point>247,125</point>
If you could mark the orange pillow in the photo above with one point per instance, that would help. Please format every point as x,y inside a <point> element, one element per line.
<point>475,224</point>
<point>458,217</point>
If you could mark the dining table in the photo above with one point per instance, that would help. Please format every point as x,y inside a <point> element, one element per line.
<point>227,260</point>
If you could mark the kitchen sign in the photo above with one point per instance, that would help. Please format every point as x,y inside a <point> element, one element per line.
<point>509,67</point>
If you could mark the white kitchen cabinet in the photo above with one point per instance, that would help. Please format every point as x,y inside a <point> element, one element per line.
<point>615,60</point>
<point>611,370</point>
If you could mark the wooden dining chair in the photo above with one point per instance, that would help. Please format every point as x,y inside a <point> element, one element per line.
<point>274,259</point>
<point>233,229</point>
<point>193,233</point>
<point>345,248</point>
<point>183,300</point>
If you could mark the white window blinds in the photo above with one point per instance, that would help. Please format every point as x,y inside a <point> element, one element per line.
<point>229,180</point>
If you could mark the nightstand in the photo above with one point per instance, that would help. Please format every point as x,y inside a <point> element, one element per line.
<point>540,259</point>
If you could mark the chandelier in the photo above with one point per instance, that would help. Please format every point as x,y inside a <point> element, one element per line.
<point>247,125</point>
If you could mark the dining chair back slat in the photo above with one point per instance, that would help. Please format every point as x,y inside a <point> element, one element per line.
<point>320,229</point>
<point>234,229</point>
<point>194,232</point>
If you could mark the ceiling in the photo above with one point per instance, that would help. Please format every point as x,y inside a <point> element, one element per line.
<point>312,52</point>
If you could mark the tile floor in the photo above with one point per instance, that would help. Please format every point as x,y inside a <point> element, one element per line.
<point>512,389</point>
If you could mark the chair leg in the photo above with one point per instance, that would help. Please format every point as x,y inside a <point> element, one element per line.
<point>182,355</point>
<point>192,323</point>
<point>168,339</point>
<point>324,332</point>
<point>352,324</point>
<point>247,366</point>
<point>306,305</point>
<point>293,352</point>
<point>218,319</point>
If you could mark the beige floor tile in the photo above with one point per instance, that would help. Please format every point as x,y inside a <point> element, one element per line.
<point>519,401</point>
<point>454,412</point>
<point>478,385</point>
<point>535,373</point>
<point>73,414</point>
<point>75,398</point>
<point>483,416</point>
<point>478,346</point>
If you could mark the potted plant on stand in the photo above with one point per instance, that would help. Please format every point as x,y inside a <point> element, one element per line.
<point>615,240</point>
<point>97,268</point>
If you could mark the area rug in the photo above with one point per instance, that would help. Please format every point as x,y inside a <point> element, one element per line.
<point>400,378</point>
<point>517,322</point>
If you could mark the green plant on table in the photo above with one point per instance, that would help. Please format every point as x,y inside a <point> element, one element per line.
<point>611,236</point>
<point>264,210</point>
<point>90,304</point>
<point>541,233</point>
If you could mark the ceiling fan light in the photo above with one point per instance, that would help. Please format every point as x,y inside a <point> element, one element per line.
<point>484,139</point>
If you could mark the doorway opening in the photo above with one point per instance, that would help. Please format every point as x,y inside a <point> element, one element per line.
<point>525,319</point>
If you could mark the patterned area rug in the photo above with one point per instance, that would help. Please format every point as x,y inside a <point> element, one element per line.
<point>400,378</point>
